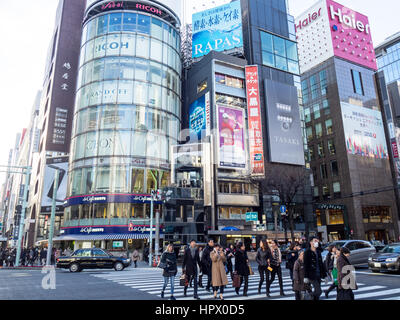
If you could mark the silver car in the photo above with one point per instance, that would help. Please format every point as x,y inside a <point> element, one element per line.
<point>360,250</point>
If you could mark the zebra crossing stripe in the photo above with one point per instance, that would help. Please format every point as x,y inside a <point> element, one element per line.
<point>376,294</point>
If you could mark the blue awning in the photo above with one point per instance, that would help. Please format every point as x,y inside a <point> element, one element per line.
<point>230,229</point>
<point>116,236</point>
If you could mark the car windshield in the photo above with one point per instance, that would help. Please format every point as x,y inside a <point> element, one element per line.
<point>391,249</point>
<point>337,244</point>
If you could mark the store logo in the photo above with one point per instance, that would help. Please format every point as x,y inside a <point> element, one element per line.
<point>94,198</point>
<point>89,230</point>
<point>148,9</point>
<point>311,18</point>
<point>349,19</point>
<point>112,5</point>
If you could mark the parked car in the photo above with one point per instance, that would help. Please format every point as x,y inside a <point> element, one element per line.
<point>388,259</point>
<point>360,250</point>
<point>92,259</point>
<point>377,244</point>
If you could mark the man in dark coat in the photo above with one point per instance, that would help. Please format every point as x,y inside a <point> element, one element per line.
<point>191,260</point>
<point>314,268</point>
<point>206,262</point>
<point>346,279</point>
<point>242,267</point>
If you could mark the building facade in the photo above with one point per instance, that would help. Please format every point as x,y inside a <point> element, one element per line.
<point>353,186</point>
<point>127,114</point>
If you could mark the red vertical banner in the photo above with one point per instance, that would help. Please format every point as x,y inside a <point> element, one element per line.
<point>256,144</point>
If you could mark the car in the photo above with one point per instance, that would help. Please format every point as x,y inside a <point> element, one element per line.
<point>388,259</point>
<point>360,250</point>
<point>94,258</point>
<point>377,244</point>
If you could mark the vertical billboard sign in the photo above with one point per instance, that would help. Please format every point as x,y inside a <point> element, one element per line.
<point>199,117</point>
<point>284,125</point>
<point>217,29</point>
<point>231,143</point>
<point>364,132</point>
<point>254,121</point>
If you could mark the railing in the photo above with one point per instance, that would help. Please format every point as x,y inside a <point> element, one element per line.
<point>186,193</point>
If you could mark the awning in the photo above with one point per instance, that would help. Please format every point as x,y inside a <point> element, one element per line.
<point>116,236</point>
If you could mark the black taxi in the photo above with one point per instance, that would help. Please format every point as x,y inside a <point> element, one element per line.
<point>94,258</point>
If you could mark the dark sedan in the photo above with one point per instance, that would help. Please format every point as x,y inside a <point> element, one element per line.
<point>388,259</point>
<point>92,259</point>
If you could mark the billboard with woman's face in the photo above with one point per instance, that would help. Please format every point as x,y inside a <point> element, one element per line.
<point>231,140</point>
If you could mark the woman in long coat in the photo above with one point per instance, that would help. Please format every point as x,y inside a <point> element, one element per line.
<point>219,278</point>
<point>242,267</point>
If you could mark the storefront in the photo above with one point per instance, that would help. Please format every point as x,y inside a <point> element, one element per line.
<point>331,222</point>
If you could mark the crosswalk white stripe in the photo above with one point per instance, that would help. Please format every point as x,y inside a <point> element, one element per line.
<point>376,294</point>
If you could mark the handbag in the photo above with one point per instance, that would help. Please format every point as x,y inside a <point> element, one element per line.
<point>334,276</point>
<point>307,293</point>
<point>183,280</point>
<point>236,280</point>
<point>162,265</point>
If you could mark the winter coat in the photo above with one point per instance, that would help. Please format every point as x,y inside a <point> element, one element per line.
<point>263,257</point>
<point>206,259</point>
<point>135,255</point>
<point>279,256</point>
<point>171,268</point>
<point>298,276</point>
<point>43,254</point>
<point>189,263</point>
<point>229,264</point>
<point>329,261</point>
<point>241,266</point>
<point>218,274</point>
<point>292,257</point>
<point>311,259</point>
<point>342,261</point>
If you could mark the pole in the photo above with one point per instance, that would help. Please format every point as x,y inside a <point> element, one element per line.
<point>22,221</point>
<point>157,243</point>
<point>276,224</point>
<point>151,229</point>
<point>52,219</point>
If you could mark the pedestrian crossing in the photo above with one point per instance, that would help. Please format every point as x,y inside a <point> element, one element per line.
<point>150,281</point>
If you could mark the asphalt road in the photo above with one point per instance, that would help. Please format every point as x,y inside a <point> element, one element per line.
<point>144,284</point>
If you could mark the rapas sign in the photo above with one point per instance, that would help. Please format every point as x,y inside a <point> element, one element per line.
<point>218,29</point>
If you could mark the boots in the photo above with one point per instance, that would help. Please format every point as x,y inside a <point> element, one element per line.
<point>185,291</point>
<point>162,294</point>
<point>259,288</point>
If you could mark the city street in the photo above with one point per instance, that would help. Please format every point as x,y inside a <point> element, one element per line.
<point>145,284</point>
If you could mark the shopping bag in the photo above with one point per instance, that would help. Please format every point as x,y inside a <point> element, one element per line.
<point>335,275</point>
<point>236,280</point>
<point>183,281</point>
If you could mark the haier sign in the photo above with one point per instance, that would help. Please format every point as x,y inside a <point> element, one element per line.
<point>218,29</point>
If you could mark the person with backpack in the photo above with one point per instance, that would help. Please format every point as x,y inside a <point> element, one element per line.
<point>169,265</point>
<point>263,260</point>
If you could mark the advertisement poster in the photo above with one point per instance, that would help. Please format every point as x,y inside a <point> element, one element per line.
<point>199,117</point>
<point>364,132</point>
<point>217,29</point>
<point>284,126</point>
<point>231,146</point>
<point>254,121</point>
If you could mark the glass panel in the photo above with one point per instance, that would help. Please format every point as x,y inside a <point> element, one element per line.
<point>125,92</point>
<point>291,49</point>
<point>111,68</point>
<point>106,143</point>
<point>115,22</point>
<point>91,144</point>
<point>108,115</point>
<point>100,47</point>
<point>130,21</point>
<point>98,71</point>
<point>156,50</point>
<point>122,143</point>
<point>127,68</point>
<point>137,180</point>
<point>76,182</point>
<point>143,24</point>
<point>95,93</point>
<point>89,50</point>
<point>293,67</point>
<point>155,96</point>
<point>113,45</point>
<point>279,46</point>
<point>124,118</point>
<point>281,63</point>
<point>128,44</point>
<point>155,73</point>
<point>156,29</point>
<point>142,70</point>
<point>318,130</point>
<point>142,45</point>
<point>103,179</point>
<point>102,24</point>
<point>92,28</point>
<point>266,42</point>
<point>140,93</point>
<point>138,148</point>
<point>329,127</point>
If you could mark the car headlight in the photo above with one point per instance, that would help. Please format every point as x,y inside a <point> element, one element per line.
<point>391,259</point>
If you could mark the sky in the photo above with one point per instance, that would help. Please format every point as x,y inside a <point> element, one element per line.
<point>26,28</point>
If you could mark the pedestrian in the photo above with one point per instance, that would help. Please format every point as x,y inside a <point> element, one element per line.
<point>298,276</point>
<point>146,253</point>
<point>43,256</point>
<point>219,278</point>
<point>346,279</point>
<point>191,260</point>
<point>331,265</point>
<point>230,258</point>
<point>206,262</point>
<point>2,257</point>
<point>292,256</point>
<point>263,260</point>
<point>242,267</point>
<point>276,261</point>
<point>168,262</point>
<point>314,268</point>
<point>201,268</point>
<point>135,257</point>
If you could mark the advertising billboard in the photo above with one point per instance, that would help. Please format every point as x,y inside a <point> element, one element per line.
<point>199,117</point>
<point>48,184</point>
<point>231,142</point>
<point>364,132</point>
<point>254,121</point>
<point>217,29</point>
<point>284,125</point>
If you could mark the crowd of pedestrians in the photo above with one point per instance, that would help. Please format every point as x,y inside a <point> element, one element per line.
<point>303,260</point>
<point>33,256</point>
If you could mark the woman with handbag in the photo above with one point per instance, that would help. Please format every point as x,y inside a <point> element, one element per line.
<point>169,265</point>
<point>242,267</point>
<point>219,279</point>
<point>263,259</point>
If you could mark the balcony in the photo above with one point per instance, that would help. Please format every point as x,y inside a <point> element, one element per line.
<point>177,193</point>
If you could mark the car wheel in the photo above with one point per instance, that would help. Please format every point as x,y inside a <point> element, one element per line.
<point>74,267</point>
<point>118,266</point>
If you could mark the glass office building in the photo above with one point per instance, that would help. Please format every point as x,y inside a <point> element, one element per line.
<point>127,114</point>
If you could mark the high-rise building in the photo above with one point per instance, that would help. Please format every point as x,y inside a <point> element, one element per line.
<point>55,120</point>
<point>127,115</point>
<point>353,187</point>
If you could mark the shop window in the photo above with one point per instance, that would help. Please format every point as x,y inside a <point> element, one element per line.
<point>237,188</point>
<point>100,211</point>
<point>319,222</point>
<point>223,213</point>
<point>376,214</point>
<point>137,180</point>
<point>137,211</point>
<point>152,180</point>
<point>335,217</point>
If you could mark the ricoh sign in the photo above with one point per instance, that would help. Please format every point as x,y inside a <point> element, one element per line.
<point>350,35</point>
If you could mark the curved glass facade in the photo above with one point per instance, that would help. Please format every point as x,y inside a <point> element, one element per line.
<point>127,111</point>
